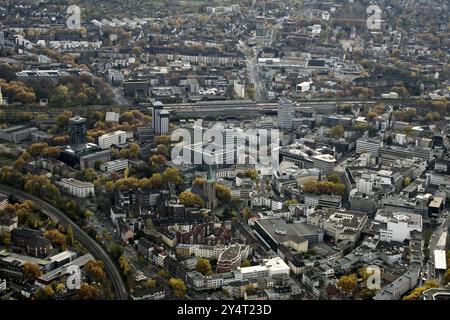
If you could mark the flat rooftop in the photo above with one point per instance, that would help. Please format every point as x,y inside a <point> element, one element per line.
<point>281,231</point>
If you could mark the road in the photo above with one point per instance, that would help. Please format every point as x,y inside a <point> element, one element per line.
<point>91,245</point>
<point>433,242</point>
<point>253,73</point>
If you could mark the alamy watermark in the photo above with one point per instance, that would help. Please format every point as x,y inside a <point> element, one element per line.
<point>74,279</point>
<point>73,22</point>
<point>373,282</point>
<point>374,19</point>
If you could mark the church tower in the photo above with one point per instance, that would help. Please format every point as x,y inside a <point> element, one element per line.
<point>210,190</point>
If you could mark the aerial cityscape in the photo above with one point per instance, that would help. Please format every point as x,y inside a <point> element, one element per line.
<point>252,150</point>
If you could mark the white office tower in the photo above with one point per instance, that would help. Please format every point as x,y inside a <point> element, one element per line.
<point>285,113</point>
<point>160,118</point>
<point>231,144</point>
<point>163,122</point>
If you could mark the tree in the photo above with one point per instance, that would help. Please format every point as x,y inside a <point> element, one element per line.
<point>56,237</point>
<point>323,187</point>
<point>203,266</point>
<point>178,287</point>
<point>347,284</point>
<point>252,174</point>
<point>250,289</point>
<point>199,181</point>
<point>245,263</point>
<point>88,292</point>
<point>432,117</point>
<point>115,251</point>
<point>31,271</point>
<point>407,181</point>
<point>190,199</point>
<point>337,131</point>
<point>95,269</point>
<point>246,213</point>
<point>162,140</point>
<point>157,160</point>
<point>133,150</point>
<point>163,150</point>
<point>44,293</point>
<point>36,149</point>
<point>162,273</point>
<point>291,202</point>
<point>447,275</point>
<point>6,238</point>
<point>69,235</point>
<point>223,193</point>
<point>125,265</point>
<point>151,283</point>
<point>51,152</point>
<point>334,178</point>
<point>417,292</point>
<point>363,273</point>
<point>90,175</point>
<point>172,175</point>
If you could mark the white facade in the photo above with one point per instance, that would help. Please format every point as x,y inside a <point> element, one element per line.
<point>399,226</point>
<point>268,268</point>
<point>371,146</point>
<point>163,117</point>
<point>285,113</point>
<point>364,186</point>
<point>77,188</point>
<point>325,163</point>
<point>304,86</point>
<point>262,201</point>
<point>113,138</point>
<point>114,165</point>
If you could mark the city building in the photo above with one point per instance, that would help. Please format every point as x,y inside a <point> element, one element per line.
<point>77,129</point>
<point>160,118</point>
<point>114,165</point>
<point>31,241</point>
<point>230,259</point>
<point>95,159</point>
<point>341,225</point>
<point>367,145</point>
<point>396,289</point>
<point>17,134</point>
<point>115,138</point>
<point>396,226</point>
<point>325,163</point>
<point>77,188</point>
<point>285,113</point>
<point>297,236</point>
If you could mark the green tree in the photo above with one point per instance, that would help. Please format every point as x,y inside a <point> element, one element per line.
<point>151,283</point>
<point>204,267</point>
<point>190,199</point>
<point>245,263</point>
<point>172,175</point>
<point>337,131</point>
<point>56,237</point>
<point>178,287</point>
<point>96,270</point>
<point>89,292</point>
<point>31,271</point>
<point>252,174</point>
<point>222,192</point>
<point>348,284</point>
